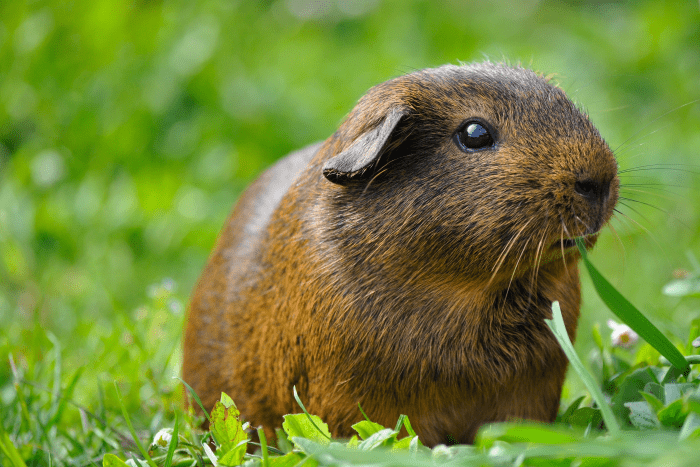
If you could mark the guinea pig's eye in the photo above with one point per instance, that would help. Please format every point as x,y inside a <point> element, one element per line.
<point>473,136</point>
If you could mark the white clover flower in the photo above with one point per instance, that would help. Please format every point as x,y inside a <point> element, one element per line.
<point>163,438</point>
<point>622,335</point>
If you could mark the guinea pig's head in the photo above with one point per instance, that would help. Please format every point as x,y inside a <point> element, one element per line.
<point>472,169</point>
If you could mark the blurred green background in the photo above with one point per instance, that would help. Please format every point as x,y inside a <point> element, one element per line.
<point>128,129</point>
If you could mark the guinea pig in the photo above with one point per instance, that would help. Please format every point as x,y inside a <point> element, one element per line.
<point>408,262</point>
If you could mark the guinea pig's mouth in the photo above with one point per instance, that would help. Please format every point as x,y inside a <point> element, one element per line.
<point>569,243</point>
<point>566,243</point>
<point>563,244</point>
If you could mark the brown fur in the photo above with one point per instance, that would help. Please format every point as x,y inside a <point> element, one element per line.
<point>414,277</point>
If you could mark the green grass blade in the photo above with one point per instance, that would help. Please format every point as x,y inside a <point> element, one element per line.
<point>409,428</point>
<point>26,418</point>
<point>296,396</point>
<point>144,453</point>
<point>556,324</point>
<point>631,316</point>
<point>263,447</point>
<point>197,399</point>
<point>399,422</point>
<point>9,449</point>
<point>173,443</point>
<point>363,413</point>
<point>65,398</point>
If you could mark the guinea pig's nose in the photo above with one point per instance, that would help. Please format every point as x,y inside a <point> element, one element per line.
<point>593,191</point>
<point>596,193</point>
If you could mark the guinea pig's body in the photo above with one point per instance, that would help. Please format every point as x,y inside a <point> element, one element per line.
<point>408,262</point>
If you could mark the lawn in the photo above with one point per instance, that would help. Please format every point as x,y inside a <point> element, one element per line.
<point>128,129</point>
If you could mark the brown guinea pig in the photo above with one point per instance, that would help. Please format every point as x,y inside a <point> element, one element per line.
<point>408,262</point>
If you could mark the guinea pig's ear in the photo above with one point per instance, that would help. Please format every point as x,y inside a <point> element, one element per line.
<point>365,151</point>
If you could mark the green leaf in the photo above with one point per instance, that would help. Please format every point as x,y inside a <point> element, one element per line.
<point>306,426</point>
<point>377,439</point>
<point>630,315</point>
<point>227,428</point>
<point>354,441</point>
<point>556,324</point>
<point>674,391</point>
<point>288,460</point>
<point>227,401</point>
<point>282,441</point>
<point>655,404</point>
<point>233,456</point>
<point>110,460</point>
<point>630,390</point>
<point>657,391</point>
<point>691,427</point>
<point>325,433</point>
<point>641,415</point>
<point>308,446</point>
<point>672,374</point>
<point>524,432</point>
<point>693,400</point>
<point>571,408</point>
<point>366,428</point>
<point>585,417</point>
<point>415,445</point>
<point>673,415</point>
<point>406,443</point>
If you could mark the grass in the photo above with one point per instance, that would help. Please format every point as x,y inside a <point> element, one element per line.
<point>657,405</point>
<point>128,129</point>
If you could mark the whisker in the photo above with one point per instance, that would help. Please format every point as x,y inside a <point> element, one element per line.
<point>644,229</point>
<point>651,186</point>
<point>651,193</point>
<point>515,268</point>
<point>644,203</point>
<point>586,228</point>
<point>561,244</point>
<point>638,224</point>
<point>656,119</point>
<point>613,109</point>
<point>568,234</point>
<point>506,249</point>
<point>623,219</point>
<point>633,210</point>
<point>649,167</point>
<point>620,150</point>
<point>536,269</point>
